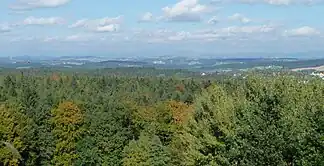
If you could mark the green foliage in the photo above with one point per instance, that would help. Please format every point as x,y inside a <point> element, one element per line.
<point>146,151</point>
<point>108,133</point>
<point>130,117</point>
<point>212,123</point>
<point>272,125</point>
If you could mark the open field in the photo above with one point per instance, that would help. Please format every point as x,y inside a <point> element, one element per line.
<point>319,68</point>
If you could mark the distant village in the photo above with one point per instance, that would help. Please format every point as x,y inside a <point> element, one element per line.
<point>318,74</point>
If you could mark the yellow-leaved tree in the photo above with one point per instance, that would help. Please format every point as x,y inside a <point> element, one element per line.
<point>67,120</point>
<point>13,129</point>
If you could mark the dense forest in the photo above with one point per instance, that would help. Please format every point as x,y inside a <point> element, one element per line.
<point>68,118</point>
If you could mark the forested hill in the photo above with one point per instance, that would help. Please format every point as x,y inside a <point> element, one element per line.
<point>68,118</point>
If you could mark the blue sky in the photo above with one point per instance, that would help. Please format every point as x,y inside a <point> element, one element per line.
<point>145,27</point>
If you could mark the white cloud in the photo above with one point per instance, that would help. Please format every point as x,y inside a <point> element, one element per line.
<point>152,36</point>
<point>51,39</point>
<point>234,30</point>
<point>239,32</point>
<point>4,28</point>
<point>77,38</point>
<point>280,2</point>
<point>108,28</point>
<point>105,24</point>
<point>302,31</point>
<point>42,21</point>
<point>292,2</point>
<point>73,38</point>
<point>271,2</point>
<point>147,17</point>
<point>185,10</point>
<point>234,33</point>
<point>196,36</point>
<point>22,39</point>
<point>81,37</point>
<point>216,2</point>
<point>179,36</point>
<point>239,17</point>
<point>213,20</point>
<point>79,23</point>
<point>212,35</point>
<point>14,40</point>
<point>30,4</point>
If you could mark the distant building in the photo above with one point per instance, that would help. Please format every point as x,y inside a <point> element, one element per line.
<point>318,74</point>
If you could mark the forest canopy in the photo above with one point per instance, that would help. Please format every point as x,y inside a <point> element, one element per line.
<point>68,118</point>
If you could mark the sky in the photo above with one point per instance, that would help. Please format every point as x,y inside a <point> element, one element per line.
<point>146,27</point>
